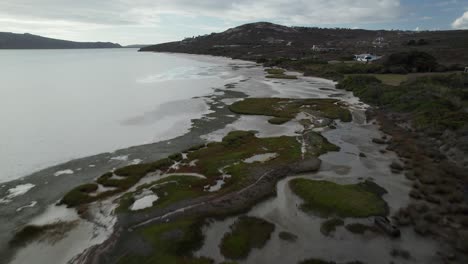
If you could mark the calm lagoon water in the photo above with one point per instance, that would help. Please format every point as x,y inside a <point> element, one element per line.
<point>57,105</point>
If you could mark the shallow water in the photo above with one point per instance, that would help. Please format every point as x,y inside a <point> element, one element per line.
<point>343,246</point>
<point>57,105</point>
<point>343,167</point>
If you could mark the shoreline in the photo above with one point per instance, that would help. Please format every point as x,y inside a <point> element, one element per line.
<point>122,123</point>
<point>217,118</point>
<point>87,256</point>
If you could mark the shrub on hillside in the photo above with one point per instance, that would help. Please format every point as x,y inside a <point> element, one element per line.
<point>413,61</point>
<point>355,82</point>
<point>397,69</point>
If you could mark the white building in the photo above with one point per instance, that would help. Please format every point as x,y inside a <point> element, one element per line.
<point>366,57</point>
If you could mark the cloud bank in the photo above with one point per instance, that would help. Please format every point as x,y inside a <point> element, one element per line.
<point>124,12</point>
<point>110,19</point>
<point>461,22</point>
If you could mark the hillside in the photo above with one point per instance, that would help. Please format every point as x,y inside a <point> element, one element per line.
<point>256,40</point>
<point>29,41</point>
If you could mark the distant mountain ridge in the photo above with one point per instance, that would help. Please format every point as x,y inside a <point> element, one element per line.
<point>29,41</point>
<point>267,40</point>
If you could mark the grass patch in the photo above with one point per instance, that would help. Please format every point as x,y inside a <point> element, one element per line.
<point>338,71</point>
<point>131,175</point>
<point>284,108</point>
<point>173,242</point>
<point>240,145</point>
<point>318,145</point>
<point>141,170</point>
<point>282,76</point>
<point>195,148</point>
<point>327,198</point>
<point>79,195</point>
<point>30,233</point>
<point>176,157</point>
<point>279,120</point>
<point>237,148</point>
<point>390,79</point>
<point>246,233</point>
<point>330,226</point>
<point>227,155</point>
<point>170,190</point>
<point>275,71</point>
<point>177,188</point>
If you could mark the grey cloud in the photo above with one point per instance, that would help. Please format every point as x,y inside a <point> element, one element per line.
<point>125,12</point>
<point>121,20</point>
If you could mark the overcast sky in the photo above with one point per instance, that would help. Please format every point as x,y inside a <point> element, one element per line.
<point>155,21</point>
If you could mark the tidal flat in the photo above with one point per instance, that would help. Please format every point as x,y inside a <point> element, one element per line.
<point>190,221</point>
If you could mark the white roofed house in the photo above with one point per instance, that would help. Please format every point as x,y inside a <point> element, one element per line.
<point>366,57</point>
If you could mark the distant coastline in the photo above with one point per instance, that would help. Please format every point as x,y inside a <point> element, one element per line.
<point>29,41</point>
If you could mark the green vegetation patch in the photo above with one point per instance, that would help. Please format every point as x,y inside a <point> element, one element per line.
<point>132,174</point>
<point>212,161</point>
<point>282,76</point>
<point>126,178</point>
<point>238,146</point>
<point>79,195</point>
<point>279,120</point>
<point>275,71</point>
<point>169,190</point>
<point>173,242</point>
<point>412,61</point>
<point>397,63</point>
<point>30,233</point>
<point>195,148</point>
<point>327,198</point>
<point>329,226</point>
<point>434,102</point>
<point>388,79</point>
<point>317,145</point>
<point>246,233</point>
<point>320,68</point>
<point>176,157</point>
<point>285,108</point>
<point>279,74</point>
